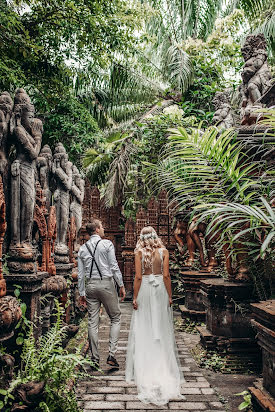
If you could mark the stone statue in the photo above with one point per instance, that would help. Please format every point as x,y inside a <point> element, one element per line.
<point>256,77</point>
<point>183,237</point>
<point>6,107</point>
<point>77,192</point>
<point>223,117</point>
<point>27,134</point>
<point>62,171</point>
<point>44,167</point>
<point>196,230</point>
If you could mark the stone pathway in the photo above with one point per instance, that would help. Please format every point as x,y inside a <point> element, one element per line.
<point>108,391</point>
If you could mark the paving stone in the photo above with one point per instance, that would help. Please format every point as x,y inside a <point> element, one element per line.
<point>121,384</point>
<point>207,391</point>
<point>93,397</point>
<point>190,391</point>
<point>195,385</point>
<point>140,405</point>
<point>107,389</point>
<point>132,391</point>
<point>200,406</point>
<point>103,405</point>
<point>120,397</point>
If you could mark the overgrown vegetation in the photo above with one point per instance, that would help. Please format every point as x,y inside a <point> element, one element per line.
<point>47,364</point>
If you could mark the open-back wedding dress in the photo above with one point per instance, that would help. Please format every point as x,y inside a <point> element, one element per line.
<point>152,360</point>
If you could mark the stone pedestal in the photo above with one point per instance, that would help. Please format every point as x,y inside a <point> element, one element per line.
<point>228,328</point>
<point>194,306</point>
<point>65,270</point>
<point>30,293</point>
<point>264,322</point>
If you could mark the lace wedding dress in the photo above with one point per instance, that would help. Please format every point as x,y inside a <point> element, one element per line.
<point>152,359</point>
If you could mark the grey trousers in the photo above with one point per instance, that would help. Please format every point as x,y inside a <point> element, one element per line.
<point>102,291</point>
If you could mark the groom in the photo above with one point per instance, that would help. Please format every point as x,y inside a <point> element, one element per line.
<point>97,270</point>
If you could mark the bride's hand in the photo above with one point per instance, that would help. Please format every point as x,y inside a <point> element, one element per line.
<point>170,301</point>
<point>135,305</point>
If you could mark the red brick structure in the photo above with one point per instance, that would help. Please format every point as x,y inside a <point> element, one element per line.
<point>124,234</point>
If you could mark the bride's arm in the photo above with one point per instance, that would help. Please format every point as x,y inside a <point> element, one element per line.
<point>166,275</point>
<point>138,278</point>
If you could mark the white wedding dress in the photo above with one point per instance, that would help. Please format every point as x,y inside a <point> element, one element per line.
<point>152,359</point>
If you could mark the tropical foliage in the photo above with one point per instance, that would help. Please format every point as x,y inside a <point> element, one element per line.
<point>46,361</point>
<point>211,175</point>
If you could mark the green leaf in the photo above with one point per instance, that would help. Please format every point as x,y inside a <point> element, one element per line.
<point>20,340</point>
<point>16,293</point>
<point>3,392</point>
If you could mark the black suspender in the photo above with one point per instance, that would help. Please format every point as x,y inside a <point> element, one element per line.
<point>93,258</point>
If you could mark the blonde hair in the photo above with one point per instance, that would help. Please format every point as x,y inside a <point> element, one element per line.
<point>148,241</point>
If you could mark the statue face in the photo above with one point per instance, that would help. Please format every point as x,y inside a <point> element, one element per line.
<point>63,161</point>
<point>3,288</point>
<point>27,120</point>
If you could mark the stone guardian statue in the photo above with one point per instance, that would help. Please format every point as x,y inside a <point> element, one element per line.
<point>62,172</point>
<point>27,134</point>
<point>6,107</point>
<point>256,77</point>
<point>44,168</point>
<point>77,192</point>
<point>223,117</point>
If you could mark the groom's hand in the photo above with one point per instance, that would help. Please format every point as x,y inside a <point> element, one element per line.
<point>122,293</point>
<point>82,301</point>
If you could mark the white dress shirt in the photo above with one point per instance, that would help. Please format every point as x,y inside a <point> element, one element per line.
<point>105,258</point>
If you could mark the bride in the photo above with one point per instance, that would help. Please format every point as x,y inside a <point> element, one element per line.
<point>152,361</point>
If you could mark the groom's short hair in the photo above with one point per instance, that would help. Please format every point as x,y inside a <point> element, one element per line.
<point>92,226</point>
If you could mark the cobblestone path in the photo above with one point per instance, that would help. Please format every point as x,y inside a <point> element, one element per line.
<point>108,391</point>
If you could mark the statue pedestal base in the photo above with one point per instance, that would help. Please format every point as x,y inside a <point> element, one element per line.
<point>65,269</point>
<point>264,323</point>
<point>30,293</point>
<point>228,328</point>
<point>193,307</point>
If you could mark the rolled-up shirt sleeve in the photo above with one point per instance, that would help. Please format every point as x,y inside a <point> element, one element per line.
<point>81,275</point>
<point>114,265</point>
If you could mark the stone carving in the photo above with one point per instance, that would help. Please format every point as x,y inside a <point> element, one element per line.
<point>51,269</point>
<point>199,229</point>
<point>44,166</point>
<point>71,236</point>
<point>223,117</point>
<point>10,314</point>
<point>41,224</point>
<point>256,77</point>
<point>62,171</point>
<point>183,237</point>
<point>27,133</point>
<point>77,192</point>
<point>6,107</point>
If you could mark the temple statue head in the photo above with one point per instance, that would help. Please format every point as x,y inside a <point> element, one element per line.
<point>24,109</point>
<point>6,103</point>
<point>253,44</point>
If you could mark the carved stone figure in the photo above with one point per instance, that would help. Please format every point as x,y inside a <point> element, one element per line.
<point>196,230</point>
<point>256,77</point>
<point>183,237</point>
<point>10,314</point>
<point>223,117</point>
<point>44,166</point>
<point>6,106</point>
<point>27,132</point>
<point>62,171</point>
<point>77,191</point>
